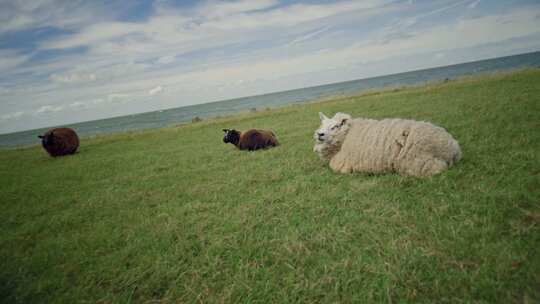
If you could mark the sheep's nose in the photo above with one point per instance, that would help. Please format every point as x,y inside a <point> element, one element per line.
<point>320,134</point>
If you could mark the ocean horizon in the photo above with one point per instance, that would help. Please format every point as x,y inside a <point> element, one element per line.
<point>185,114</point>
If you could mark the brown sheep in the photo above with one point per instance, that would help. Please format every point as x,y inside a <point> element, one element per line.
<point>60,141</point>
<point>251,139</point>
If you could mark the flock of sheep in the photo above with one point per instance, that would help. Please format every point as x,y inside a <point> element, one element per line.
<point>408,147</point>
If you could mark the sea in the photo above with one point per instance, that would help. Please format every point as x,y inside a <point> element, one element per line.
<point>175,116</point>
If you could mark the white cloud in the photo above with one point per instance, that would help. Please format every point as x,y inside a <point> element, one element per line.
<point>461,34</point>
<point>474,4</point>
<point>121,52</point>
<point>310,35</point>
<point>402,24</point>
<point>76,104</point>
<point>4,90</point>
<point>98,101</point>
<point>15,115</point>
<point>49,109</point>
<point>221,9</point>
<point>440,55</point>
<point>117,97</point>
<point>96,33</point>
<point>73,77</point>
<point>17,15</point>
<point>10,59</point>
<point>110,99</point>
<point>201,24</point>
<point>465,33</point>
<point>155,90</point>
<point>291,15</point>
<point>166,59</point>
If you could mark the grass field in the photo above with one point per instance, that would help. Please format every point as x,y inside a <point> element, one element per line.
<point>175,215</point>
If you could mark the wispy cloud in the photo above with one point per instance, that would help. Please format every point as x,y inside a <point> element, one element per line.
<point>214,9</point>
<point>73,77</point>
<point>291,15</point>
<point>173,27</point>
<point>403,24</point>
<point>48,109</point>
<point>17,15</point>
<point>474,4</point>
<point>10,59</point>
<point>117,97</point>
<point>96,62</point>
<point>155,90</point>
<point>310,35</point>
<point>76,104</point>
<point>9,116</point>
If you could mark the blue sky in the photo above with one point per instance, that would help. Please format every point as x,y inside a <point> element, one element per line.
<point>70,61</point>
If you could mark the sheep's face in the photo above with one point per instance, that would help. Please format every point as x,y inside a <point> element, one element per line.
<point>231,136</point>
<point>332,130</point>
<point>47,139</point>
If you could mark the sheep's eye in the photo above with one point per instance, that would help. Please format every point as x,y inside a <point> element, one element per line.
<point>335,127</point>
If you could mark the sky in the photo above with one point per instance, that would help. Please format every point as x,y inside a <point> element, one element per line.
<point>67,61</point>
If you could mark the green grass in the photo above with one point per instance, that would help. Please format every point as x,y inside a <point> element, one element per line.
<point>175,215</point>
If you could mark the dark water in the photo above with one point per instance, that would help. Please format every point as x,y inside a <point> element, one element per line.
<point>163,118</point>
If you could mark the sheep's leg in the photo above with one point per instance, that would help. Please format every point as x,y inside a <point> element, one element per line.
<point>339,164</point>
<point>342,168</point>
<point>434,166</point>
<point>422,166</point>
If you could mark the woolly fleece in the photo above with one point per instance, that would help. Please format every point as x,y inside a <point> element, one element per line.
<point>408,147</point>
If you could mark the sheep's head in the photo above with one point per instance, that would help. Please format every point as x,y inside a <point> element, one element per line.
<point>47,139</point>
<point>330,135</point>
<point>231,136</point>
<point>332,129</point>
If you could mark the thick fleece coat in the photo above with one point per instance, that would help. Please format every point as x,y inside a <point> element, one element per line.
<point>60,141</point>
<point>390,145</point>
<point>251,139</point>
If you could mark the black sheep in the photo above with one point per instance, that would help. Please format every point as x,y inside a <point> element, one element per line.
<point>60,141</point>
<point>251,139</point>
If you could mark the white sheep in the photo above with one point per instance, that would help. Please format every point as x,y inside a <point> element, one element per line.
<point>408,147</point>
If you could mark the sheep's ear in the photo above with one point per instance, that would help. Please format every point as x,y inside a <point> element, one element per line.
<point>40,136</point>
<point>322,116</point>
<point>342,117</point>
<point>225,130</point>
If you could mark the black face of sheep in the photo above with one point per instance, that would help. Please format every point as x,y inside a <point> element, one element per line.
<point>60,141</point>
<point>231,136</point>
<point>47,140</point>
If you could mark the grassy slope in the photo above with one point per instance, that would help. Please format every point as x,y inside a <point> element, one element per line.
<point>176,215</point>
